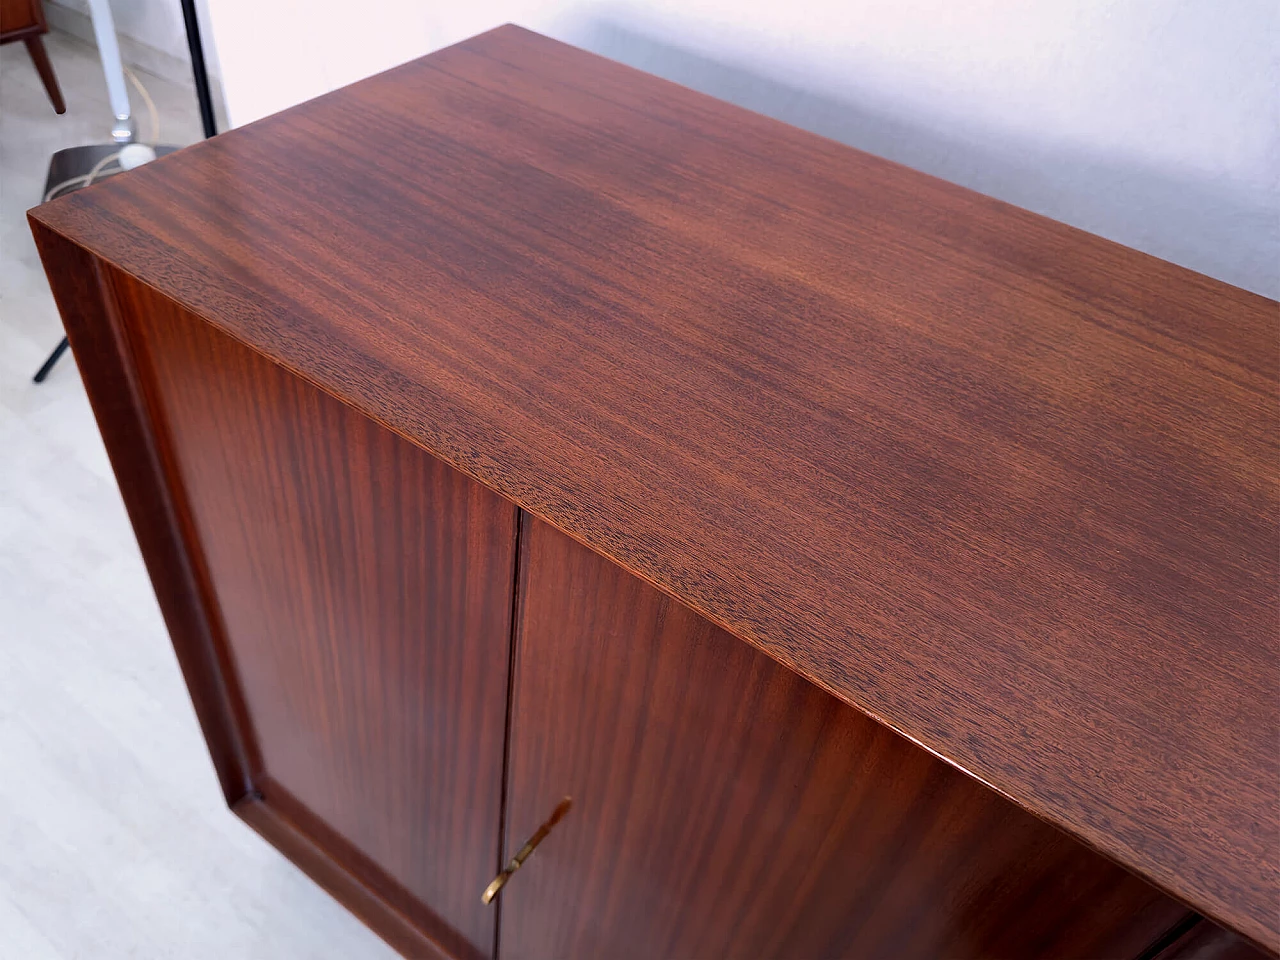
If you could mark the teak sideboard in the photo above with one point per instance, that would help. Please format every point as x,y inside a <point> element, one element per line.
<point>698,537</point>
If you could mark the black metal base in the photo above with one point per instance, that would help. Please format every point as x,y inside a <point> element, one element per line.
<point>77,161</point>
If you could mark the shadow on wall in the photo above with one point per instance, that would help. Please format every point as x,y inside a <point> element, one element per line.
<point>1216,228</point>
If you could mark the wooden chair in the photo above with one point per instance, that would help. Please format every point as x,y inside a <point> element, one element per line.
<point>24,20</point>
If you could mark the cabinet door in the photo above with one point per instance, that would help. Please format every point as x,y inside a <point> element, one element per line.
<point>724,807</point>
<point>363,593</point>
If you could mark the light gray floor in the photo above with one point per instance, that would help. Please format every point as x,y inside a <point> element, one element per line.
<point>113,838</point>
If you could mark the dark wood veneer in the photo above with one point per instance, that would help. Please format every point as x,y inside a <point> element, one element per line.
<point>1007,487</point>
<point>109,370</point>
<point>364,592</point>
<point>346,874</point>
<point>339,602</point>
<point>724,807</point>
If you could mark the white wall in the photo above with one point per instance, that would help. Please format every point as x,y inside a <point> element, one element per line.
<point>154,23</point>
<point>1152,122</point>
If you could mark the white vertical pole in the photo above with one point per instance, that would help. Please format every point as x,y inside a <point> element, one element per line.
<point>104,29</point>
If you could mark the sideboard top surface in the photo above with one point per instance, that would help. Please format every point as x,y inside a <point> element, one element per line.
<point>1006,486</point>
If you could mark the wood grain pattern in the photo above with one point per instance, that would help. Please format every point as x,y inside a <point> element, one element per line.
<point>358,884</point>
<point>364,592</point>
<point>111,378</point>
<point>725,807</point>
<point>1007,487</point>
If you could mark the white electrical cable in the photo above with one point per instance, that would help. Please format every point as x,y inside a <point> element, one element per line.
<point>153,113</point>
<point>85,180</point>
<point>92,175</point>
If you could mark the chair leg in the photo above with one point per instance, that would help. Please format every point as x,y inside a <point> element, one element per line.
<point>35,47</point>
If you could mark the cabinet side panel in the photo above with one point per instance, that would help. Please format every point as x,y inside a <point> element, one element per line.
<point>365,591</point>
<point>725,807</point>
<point>100,342</point>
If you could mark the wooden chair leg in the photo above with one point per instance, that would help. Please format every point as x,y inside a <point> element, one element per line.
<point>35,47</point>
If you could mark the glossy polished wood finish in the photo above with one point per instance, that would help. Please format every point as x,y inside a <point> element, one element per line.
<point>1005,486</point>
<point>724,807</point>
<point>341,870</point>
<point>107,365</point>
<point>364,592</point>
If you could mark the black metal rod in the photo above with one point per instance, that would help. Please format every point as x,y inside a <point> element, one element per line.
<point>198,70</point>
<point>58,351</point>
